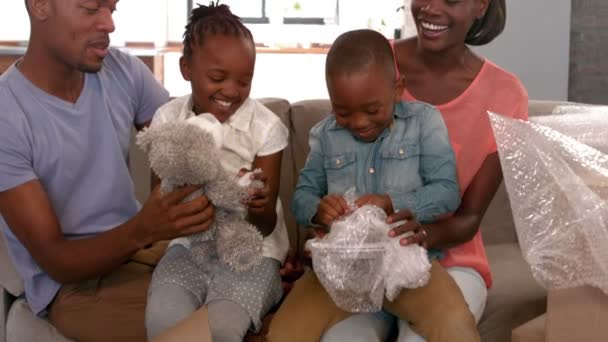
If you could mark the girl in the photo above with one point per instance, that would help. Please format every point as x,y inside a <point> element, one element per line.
<point>218,60</point>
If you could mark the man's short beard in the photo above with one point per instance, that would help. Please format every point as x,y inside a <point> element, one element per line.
<point>89,69</point>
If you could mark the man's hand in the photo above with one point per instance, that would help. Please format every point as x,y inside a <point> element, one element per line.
<point>30,216</point>
<point>382,201</point>
<point>331,208</point>
<point>164,217</point>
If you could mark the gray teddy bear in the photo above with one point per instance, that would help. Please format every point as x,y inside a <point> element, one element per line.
<point>187,152</point>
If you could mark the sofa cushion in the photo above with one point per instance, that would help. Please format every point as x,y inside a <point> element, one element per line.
<point>5,303</point>
<point>545,107</point>
<point>515,297</point>
<point>532,331</point>
<point>9,278</point>
<point>304,115</point>
<point>282,109</point>
<point>497,225</point>
<point>23,325</point>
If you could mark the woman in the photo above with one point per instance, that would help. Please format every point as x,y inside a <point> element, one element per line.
<point>439,68</point>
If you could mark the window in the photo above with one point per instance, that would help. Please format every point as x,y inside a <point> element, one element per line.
<point>250,11</point>
<point>315,12</point>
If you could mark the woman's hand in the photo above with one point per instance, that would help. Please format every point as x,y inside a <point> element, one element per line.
<point>382,201</point>
<point>419,233</point>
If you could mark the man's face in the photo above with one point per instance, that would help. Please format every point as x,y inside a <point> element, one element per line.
<point>363,102</point>
<point>76,32</point>
<point>220,73</point>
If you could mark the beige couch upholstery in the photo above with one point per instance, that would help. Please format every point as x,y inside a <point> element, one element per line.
<point>514,299</point>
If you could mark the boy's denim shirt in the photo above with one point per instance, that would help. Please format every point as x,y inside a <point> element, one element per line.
<point>413,162</point>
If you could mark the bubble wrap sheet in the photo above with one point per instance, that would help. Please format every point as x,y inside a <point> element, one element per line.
<point>556,173</point>
<point>357,263</point>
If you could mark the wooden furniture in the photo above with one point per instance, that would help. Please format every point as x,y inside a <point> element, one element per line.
<point>153,58</point>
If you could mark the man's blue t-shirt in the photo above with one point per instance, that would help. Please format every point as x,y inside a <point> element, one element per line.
<point>78,152</point>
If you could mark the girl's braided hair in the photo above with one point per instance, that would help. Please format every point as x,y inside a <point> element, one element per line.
<point>214,19</point>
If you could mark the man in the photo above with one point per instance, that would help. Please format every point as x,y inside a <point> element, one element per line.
<point>74,229</point>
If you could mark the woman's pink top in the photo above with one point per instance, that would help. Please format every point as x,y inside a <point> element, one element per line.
<point>466,118</point>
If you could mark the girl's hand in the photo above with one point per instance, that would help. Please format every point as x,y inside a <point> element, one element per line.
<point>382,201</point>
<point>258,197</point>
<point>420,233</point>
<point>331,208</point>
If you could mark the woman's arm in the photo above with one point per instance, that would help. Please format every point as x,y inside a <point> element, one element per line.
<point>464,224</point>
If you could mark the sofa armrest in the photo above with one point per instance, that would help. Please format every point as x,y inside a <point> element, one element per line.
<point>6,299</point>
<point>10,280</point>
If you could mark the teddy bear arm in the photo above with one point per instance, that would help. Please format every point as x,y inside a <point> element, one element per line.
<point>225,192</point>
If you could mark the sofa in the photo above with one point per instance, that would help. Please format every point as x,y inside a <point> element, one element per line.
<point>515,297</point>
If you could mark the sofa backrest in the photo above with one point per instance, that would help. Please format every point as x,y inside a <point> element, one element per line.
<point>299,117</point>
<point>9,278</point>
<point>282,109</point>
<point>303,116</point>
<point>497,225</point>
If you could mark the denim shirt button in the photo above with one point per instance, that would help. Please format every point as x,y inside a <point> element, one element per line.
<point>338,161</point>
<point>401,152</point>
<point>371,170</point>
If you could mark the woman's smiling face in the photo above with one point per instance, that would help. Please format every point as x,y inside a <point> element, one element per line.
<point>445,23</point>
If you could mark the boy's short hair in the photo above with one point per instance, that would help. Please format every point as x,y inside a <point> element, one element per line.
<point>353,51</point>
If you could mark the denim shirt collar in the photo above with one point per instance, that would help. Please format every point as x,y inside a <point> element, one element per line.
<point>399,112</point>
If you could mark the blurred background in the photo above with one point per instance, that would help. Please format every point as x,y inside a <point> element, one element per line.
<point>558,48</point>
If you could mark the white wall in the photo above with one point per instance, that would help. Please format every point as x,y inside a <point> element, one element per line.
<point>14,22</point>
<point>293,77</point>
<point>535,46</point>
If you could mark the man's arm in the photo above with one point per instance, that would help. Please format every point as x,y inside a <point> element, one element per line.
<point>30,216</point>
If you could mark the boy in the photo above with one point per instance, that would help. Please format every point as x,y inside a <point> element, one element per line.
<point>399,157</point>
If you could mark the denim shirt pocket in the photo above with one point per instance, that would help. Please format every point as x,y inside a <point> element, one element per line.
<point>401,167</point>
<point>341,172</point>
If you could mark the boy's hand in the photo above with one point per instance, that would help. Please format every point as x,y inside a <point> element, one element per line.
<point>331,208</point>
<point>382,201</point>
<point>259,197</point>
